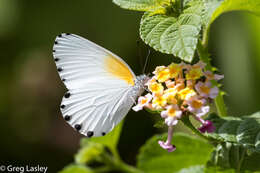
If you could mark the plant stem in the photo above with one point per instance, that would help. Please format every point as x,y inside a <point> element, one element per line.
<point>116,163</point>
<point>186,120</point>
<point>129,169</point>
<point>102,169</point>
<point>205,37</point>
<point>241,160</point>
<point>181,5</point>
<point>204,56</point>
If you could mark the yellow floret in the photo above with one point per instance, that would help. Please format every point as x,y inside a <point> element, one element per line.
<point>186,93</point>
<point>171,112</point>
<point>205,89</point>
<point>156,88</point>
<point>144,101</point>
<point>196,104</point>
<point>159,102</point>
<point>170,95</point>
<point>162,73</point>
<point>174,70</point>
<point>194,73</point>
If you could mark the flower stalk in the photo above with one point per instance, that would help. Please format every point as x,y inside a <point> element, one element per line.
<point>116,164</point>
<point>186,120</point>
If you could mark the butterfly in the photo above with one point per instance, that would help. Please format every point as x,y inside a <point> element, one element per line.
<point>101,86</point>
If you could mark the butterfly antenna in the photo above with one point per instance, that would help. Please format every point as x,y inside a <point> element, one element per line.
<point>139,52</point>
<point>147,61</point>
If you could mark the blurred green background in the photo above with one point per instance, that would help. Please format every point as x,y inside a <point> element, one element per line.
<point>32,129</point>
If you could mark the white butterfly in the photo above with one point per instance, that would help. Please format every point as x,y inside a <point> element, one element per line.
<point>101,86</point>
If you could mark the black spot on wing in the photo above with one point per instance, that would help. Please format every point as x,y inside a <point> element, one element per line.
<point>62,106</point>
<point>77,127</point>
<point>67,117</point>
<point>60,69</point>
<point>67,95</point>
<point>90,133</point>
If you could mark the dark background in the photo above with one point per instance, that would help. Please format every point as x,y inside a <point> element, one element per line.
<point>32,129</point>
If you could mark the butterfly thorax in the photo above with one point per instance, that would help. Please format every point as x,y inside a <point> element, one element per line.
<point>139,86</point>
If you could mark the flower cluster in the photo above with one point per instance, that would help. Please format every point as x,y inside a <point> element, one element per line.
<point>178,90</point>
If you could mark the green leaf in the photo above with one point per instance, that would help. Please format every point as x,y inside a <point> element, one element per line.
<point>251,162</point>
<point>190,151</point>
<point>226,155</point>
<point>76,169</point>
<point>244,130</point>
<point>110,140</point>
<point>234,5</point>
<point>219,170</point>
<point>141,5</point>
<point>159,124</point>
<point>214,8</point>
<point>248,132</point>
<point>229,155</point>
<point>89,152</point>
<point>193,169</point>
<point>202,169</point>
<point>173,35</point>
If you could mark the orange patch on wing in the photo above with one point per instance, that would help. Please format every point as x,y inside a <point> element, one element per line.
<point>118,69</point>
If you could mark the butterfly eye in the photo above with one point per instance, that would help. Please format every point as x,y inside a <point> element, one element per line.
<point>90,133</point>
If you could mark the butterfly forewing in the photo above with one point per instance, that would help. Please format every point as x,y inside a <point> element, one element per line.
<point>99,85</point>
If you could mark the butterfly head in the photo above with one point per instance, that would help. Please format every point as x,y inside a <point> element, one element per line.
<point>141,79</point>
<point>140,82</point>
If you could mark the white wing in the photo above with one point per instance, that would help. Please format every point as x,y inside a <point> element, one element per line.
<point>100,85</point>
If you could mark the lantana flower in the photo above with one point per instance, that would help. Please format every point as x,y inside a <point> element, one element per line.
<point>171,115</point>
<point>156,88</point>
<point>170,84</point>
<point>175,69</point>
<point>206,125</point>
<point>162,73</point>
<point>170,95</point>
<point>198,106</point>
<point>167,144</point>
<point>195,72</point>
<point>186,93</point>
<point>159,102</point>
<point>211,76</point>
<point>142,102</point>
<point>206,90</point>
<point>179,90</point>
